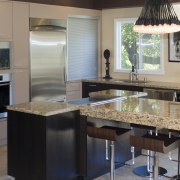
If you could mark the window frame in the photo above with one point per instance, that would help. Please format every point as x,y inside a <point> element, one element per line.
<point>117,44</point>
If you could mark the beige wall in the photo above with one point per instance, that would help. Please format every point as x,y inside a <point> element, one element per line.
<point>171,69</point>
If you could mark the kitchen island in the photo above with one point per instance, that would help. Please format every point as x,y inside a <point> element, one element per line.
<point>48,141</point>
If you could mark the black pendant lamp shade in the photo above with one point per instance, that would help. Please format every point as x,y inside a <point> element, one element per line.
<point>157,17</point>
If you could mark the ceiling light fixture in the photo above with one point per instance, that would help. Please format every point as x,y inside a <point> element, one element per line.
<point>157,17</point>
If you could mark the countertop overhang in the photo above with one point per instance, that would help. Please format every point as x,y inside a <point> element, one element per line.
<point>47,108</point>
<point>150,112</point>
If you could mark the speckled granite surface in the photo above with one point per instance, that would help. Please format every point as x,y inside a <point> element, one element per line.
<point>149,84</point>
<point>150,112</point>
<point>51,108</point>
<point>43,108</point>
<point>142,111</point>
<point>112,93</point>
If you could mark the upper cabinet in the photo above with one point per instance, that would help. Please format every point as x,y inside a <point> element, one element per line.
<point>20,86</point>
<point>20,35</point>
<point>20,55</point>
<point>6,20</point>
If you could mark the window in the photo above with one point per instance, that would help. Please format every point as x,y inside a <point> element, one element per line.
<point>144,51</point>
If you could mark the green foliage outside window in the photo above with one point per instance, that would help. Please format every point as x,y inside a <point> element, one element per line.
<point>146,47</point>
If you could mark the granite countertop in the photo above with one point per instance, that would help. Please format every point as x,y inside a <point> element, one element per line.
<point>142,111</point>
<point>148,84</point>
<point>112,93</point>
<point>150,112</point>
<point>51,108</point>
<point>43,108</point>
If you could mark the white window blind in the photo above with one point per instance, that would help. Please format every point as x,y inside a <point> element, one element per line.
<point>82,48</point>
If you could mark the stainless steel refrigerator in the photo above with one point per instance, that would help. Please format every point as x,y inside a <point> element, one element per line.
<point>47,60</point>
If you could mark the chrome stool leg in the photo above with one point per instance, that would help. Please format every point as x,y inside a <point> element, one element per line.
<point>133,155</point>
<point>107,149</point>
<point>112,161</point>
<point>144,171</point>
<point>156,166</point>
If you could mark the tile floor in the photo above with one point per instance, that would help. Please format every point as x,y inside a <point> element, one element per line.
<point>123,173</point>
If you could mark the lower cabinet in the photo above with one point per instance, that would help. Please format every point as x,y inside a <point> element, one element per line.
<point>3,131</point>
<point>44,147</point>
<point>93,87</point>
<point>73,90</point>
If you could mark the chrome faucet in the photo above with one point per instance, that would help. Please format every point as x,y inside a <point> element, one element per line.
<point>134,75</point>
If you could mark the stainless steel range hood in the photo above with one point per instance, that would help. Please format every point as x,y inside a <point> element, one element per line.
<point>40,24</point>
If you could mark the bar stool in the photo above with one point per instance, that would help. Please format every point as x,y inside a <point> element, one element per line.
<point>144,170</point>
<point>112,134</point>
<point>156,143</point>
<point>169,95</point>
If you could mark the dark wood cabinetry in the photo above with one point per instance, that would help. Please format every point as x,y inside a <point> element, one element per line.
<point>57,147</point>
<point>88,87</point>
<point>44,148</point>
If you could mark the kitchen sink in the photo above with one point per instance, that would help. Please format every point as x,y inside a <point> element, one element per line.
<point>133,81</point>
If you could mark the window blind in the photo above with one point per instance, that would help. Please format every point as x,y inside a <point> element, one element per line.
<point>82,48</point>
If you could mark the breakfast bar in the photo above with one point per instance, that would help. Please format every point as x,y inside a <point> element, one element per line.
<point>48,140</point>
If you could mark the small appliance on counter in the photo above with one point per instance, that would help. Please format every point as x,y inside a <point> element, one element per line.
<point>106,56</point>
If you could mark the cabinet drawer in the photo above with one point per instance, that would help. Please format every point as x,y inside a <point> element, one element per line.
<point>73,95</point>
<point>77,86</point>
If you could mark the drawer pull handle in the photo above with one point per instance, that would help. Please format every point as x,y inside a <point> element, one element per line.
<point>93,85</point>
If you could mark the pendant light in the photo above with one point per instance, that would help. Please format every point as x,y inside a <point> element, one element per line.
<point>157,17</point>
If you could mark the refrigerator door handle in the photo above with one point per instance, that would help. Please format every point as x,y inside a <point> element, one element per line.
<point>65,76</point>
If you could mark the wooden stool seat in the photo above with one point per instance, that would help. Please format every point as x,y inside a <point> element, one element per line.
<point>161,143</point>
<point>107,132</point>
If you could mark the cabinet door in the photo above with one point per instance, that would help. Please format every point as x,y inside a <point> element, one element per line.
<point>20,35</point>
<point>20,86</point>
<point>3,131</point>
<point>6,20</point>
<point>88,87</point>
<point>73,90</point>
